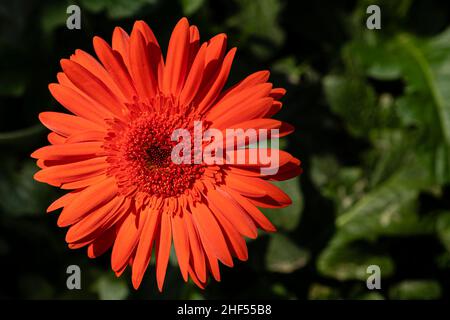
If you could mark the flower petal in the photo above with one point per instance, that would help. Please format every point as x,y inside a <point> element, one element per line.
<point>145,245</point>
<point>177,59</point>
<point>140,66</point>
<point>210,233</point>
<point>69,151</point>
<point>163,249</point>
<point>181,242</point>
<point>86,201</point>
<point>92,86</point>
<point>57,175</point>
<point>116,67</point>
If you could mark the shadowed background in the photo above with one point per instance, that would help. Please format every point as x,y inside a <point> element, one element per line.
<point>372,115</point>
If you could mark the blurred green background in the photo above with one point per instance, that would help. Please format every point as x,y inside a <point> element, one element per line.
<point>372,116</point>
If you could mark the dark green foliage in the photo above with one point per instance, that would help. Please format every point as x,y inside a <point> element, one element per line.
<point>372,117</point>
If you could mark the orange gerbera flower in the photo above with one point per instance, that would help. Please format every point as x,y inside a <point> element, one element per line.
<point>113,153</point>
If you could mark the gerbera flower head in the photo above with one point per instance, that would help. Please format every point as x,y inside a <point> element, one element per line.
<point>114,153</point>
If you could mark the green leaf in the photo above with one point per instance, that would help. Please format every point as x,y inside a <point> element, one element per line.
<point>22,137</point>
<point>443,229</point>
<point>282,292</point>
<point>353,100</point>
<point>109,287</point>
<point>54,15</point>
<point>369,296</point>
<point>20,194</point>
<point>423,64</point>
<point>116,9</point>
<point>291,69</point>
<point>191,6</point>
<point>318,291</point>
<point>289,217</point>
<point>12,83</point>
<point>388,209</point>
<point>344,185</point>
<point>259,19</point>
<point>284,256</point>
<point>376,57</point>
<point>416,290</point>
<point>344,261</point>
<point>432,75</point>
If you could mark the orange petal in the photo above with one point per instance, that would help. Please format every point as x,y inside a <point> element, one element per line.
<point>121,44</point>
<point>84,182</point>
<point>140,66</point>
<point>217,86</point>
<point>195,279</point>
<point>194,79</point>
<point>175,70</point>
<point>102,243</point>
<point>78,103</point>
<point>277,93</point>
<point>249,82</point>
<point>253,110</point>
<point>239,101</point>
<point>163,250</point>
<point>73,150</point>
<point>181,242</point>
<point>66,124</point>
<point>233,213</point>
<point>194,43</point>
<point>212,263</point>
<point>126,241</point>
<point>63,201</point>
<point>210,233</point>
<point>92,65</point>
<point>197,254</point>
<point>272,192</point>
<point>244,185</point>
<point>57,175</point>
<point>55,138</point>
<point>213,60</point>
<point>86,136</point>
<point>92,86</point>
<point>116,67</point>
<point>276,106</point>
<point>259,218</point>
<point>268,124</point>
<point>154,49</point>
<point>94,221</point>
<point>145,245</point>
<point>234,239</point>
<point>86,201</point>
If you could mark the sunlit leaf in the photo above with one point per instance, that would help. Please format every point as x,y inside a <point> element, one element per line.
<point>318,291</point>
<point>284,256</point>
<point>258,20</point>
<point>111,288</point>
<point>344,261</point>
<point>117,8</point>
<point>416,290</point>
<point>191,6</point>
